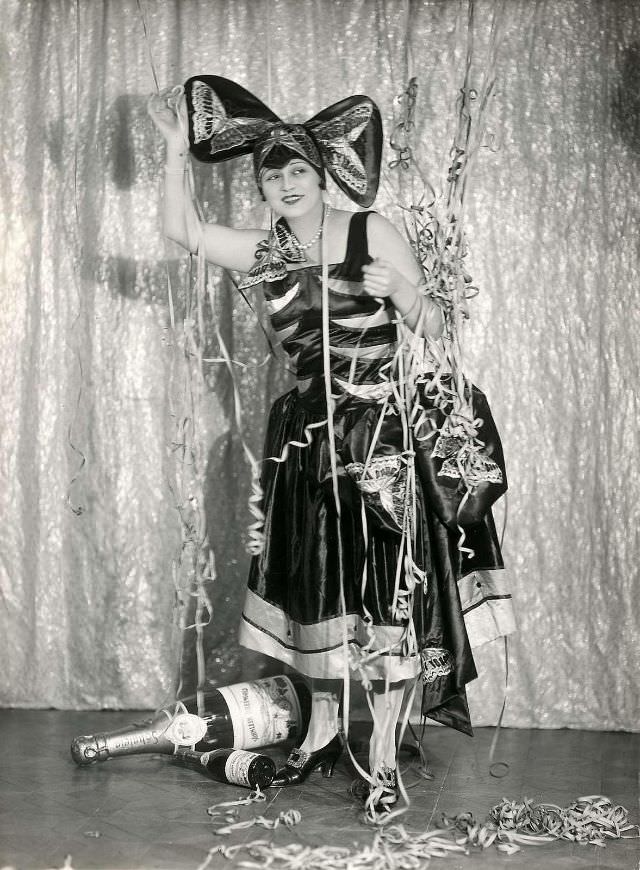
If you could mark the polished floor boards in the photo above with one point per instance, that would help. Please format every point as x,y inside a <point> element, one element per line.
<point>147,812</point>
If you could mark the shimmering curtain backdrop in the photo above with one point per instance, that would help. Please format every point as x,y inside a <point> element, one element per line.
<point>117,456</point>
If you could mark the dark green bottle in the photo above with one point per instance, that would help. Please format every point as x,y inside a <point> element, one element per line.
<point>234,766</point>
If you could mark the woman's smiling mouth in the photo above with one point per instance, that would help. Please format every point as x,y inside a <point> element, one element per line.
<point>292,198</point>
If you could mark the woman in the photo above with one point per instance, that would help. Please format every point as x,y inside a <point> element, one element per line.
<point>356,561</point>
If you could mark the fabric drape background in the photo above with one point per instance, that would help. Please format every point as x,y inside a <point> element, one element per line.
<point>109,436</point>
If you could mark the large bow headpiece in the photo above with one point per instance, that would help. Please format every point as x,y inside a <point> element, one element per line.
<point>226,121</point>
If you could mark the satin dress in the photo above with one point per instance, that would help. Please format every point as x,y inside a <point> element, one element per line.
<point>321,595</point>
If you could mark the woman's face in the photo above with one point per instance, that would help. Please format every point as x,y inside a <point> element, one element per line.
<point>293,190</point>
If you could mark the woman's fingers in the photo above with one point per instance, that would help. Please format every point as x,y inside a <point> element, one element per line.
<point>378,269</point>
<point>175,98</point>
<point>157,106</point>
<point>168,112</point>
<point>378,277</point>
<point>376,266</point>
<point>167,102</point>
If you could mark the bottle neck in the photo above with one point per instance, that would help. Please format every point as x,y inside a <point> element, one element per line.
<point>188,755</point>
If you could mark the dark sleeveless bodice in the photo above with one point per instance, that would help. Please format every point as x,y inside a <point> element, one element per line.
<point>362,334</point>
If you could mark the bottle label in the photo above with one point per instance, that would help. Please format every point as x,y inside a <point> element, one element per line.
<point>236,768</point>
<point>186,729</point>
<point>263,712</point>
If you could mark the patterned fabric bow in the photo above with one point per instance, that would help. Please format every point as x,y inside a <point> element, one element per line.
<point>226,121</point>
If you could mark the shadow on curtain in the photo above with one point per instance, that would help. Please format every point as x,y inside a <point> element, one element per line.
<point>113,430</point>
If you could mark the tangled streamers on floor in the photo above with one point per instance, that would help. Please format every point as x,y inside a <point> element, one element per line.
<point>147,812</point>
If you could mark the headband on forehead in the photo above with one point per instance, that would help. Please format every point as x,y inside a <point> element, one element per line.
<point>295,138</point>
<point>226,121</point>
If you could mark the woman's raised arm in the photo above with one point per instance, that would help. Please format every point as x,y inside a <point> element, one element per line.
<point>225,246</point>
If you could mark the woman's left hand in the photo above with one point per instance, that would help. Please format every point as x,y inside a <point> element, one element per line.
<point>381,278</point>
<point>168,111</point>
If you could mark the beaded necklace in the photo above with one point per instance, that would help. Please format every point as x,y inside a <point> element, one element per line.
<point>306,245</point>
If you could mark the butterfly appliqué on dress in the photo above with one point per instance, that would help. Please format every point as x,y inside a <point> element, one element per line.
<point>210,121</point>
<point>272,255</point>
<point>382,480</point>
<point>465,458</point>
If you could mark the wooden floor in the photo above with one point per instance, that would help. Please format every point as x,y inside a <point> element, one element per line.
<point>147,812</point>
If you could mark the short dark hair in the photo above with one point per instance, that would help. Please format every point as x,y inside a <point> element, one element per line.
<point>280,155</point>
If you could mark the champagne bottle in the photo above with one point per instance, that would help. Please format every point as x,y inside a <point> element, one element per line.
<point>242,716</point>
<point>234,766</point>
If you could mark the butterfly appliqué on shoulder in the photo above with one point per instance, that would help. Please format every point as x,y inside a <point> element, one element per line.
<point>272,255</point>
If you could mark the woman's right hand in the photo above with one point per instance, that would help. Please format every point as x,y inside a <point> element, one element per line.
<point>168,112</point>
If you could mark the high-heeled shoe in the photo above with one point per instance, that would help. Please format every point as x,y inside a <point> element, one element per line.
<point>300,763</point>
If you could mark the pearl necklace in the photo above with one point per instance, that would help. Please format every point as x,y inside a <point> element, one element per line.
<point>305,247</point>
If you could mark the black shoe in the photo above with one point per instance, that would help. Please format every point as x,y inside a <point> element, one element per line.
<point>300,764</point>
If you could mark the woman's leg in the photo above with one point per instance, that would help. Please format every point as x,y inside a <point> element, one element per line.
<point>321,746</point>
<point>386,709</point>
<point>323,724</point>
